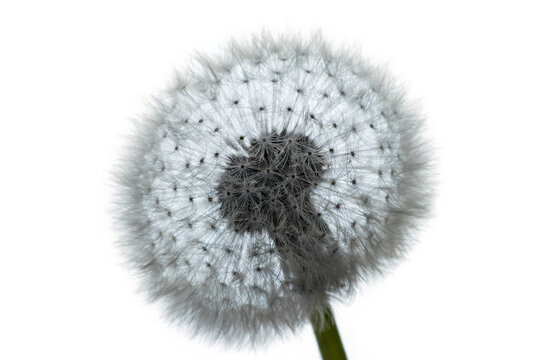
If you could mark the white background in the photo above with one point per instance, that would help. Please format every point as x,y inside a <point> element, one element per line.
<point>73,74</point>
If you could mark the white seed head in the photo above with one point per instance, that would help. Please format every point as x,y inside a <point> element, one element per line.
<point>267,181</point>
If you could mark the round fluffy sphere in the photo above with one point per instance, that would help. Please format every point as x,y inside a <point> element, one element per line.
<point>267,181</point>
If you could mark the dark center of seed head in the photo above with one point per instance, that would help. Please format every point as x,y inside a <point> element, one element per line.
<point>269,191</point>
<point>273,185</point>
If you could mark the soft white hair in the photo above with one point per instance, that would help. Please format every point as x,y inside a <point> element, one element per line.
<point>229,277</point>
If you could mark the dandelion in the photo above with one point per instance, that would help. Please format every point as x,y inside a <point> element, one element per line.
<point>267,182</point>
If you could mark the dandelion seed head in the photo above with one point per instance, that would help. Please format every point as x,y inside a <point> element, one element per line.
<point>268,180</point>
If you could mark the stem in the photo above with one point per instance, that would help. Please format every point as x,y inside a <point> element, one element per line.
<point>327,334</point>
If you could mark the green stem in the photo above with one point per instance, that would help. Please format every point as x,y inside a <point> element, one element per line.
<point>327,334</point>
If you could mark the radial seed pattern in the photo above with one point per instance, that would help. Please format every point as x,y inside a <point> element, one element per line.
<point>267,181</point>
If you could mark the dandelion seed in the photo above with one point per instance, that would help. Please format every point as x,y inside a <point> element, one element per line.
<point>280,205</point>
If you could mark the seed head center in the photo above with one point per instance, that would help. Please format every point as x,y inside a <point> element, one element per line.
<point>270,188</point>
